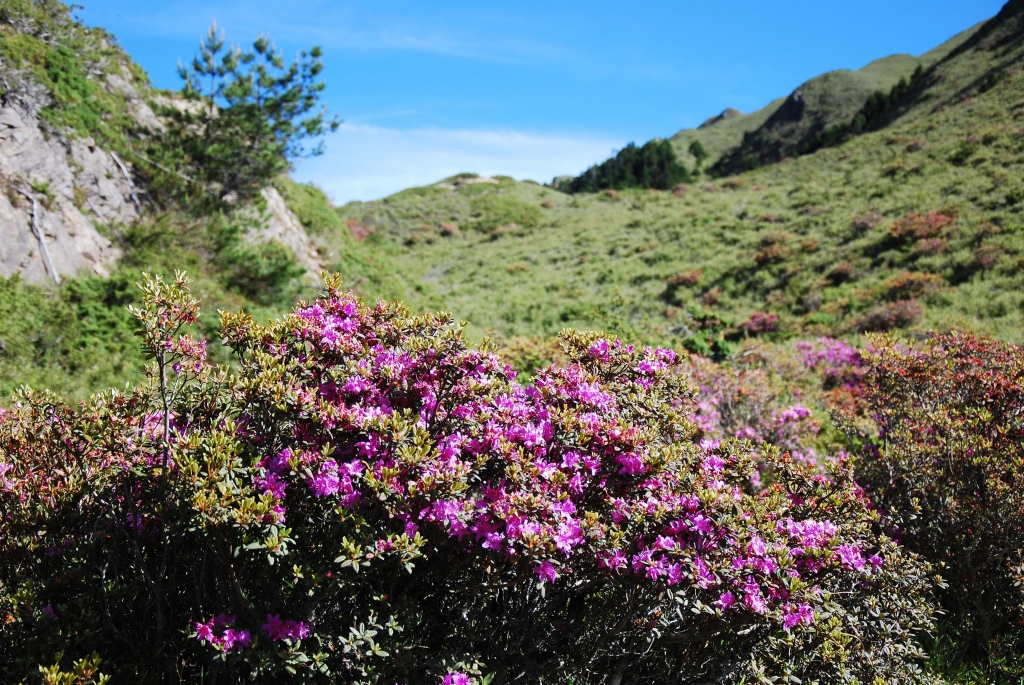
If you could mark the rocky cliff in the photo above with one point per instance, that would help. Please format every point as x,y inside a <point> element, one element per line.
<point>63,196</point>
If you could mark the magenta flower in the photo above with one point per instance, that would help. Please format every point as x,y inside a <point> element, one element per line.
<point>277,630</point>
<point>546,571</point>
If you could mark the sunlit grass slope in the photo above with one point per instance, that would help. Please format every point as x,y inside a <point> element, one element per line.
<point>918,225</point>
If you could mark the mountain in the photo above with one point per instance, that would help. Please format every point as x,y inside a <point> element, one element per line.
<point>780,128</point>
<point>915,226</point>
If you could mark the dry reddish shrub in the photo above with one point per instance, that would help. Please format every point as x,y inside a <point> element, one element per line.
<point>759,322</point>
<point>987,256</point>
<point>915,226</point>
<point>712,297</point>
<point>772,254</point>
<point>930,246</point>
<point>358,232</point>
<point>947,465</point>
<point>686,279</point>
<point>889,316</point>
<point>910,285</point>
<point>841,273</point>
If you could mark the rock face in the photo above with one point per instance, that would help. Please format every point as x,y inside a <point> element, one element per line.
<point>279,224</point>
<point>76,184</point>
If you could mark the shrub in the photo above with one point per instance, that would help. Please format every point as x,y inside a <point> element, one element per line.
<point>841,273</point>
<point>369,499</point>
<point>946,466</point>
<point>686,279</point>
<point>493,211</point>
<point>742,400</point>
<point>909,285</point>
<point>260,270</point>
<point>915,227</point>
<point>758,323</point>
<point>889,316</point>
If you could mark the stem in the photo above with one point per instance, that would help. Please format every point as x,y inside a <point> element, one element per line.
<point>166,406</point>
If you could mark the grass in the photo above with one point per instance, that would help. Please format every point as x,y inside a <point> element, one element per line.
<point>823,240</point>
<point>73,69</point>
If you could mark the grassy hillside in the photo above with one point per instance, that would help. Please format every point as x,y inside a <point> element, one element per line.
<point>778,129</point>
<point>917,226</point>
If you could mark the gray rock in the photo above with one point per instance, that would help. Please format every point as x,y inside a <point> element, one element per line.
<point>279,224</point>
<point>28,158</point>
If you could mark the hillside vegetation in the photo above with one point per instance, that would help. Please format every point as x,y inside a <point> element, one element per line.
<point>75,83</point>
<point>785,123</point>
<point>915,226</point>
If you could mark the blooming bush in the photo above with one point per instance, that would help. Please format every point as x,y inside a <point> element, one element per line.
<point>747,402</point>
<point>947,465</point>
<point>367,498</point>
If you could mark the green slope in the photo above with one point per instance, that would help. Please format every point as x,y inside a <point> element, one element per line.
<point>916,225</point>
<point>777,130</point>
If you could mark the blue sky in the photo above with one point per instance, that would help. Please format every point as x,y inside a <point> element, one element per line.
<point>532,89</point>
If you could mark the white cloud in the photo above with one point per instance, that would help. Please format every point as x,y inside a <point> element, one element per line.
<point>368,162</point>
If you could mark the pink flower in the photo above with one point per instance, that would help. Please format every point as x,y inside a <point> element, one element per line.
<point>276,629</point>
<point>851,557</point>
<point>599,351</point>
<point>726,600</point>
<point>233,637</point>
<point>794,616</point>
<point>204,633</point>
<point>546,571</point>
<point>326,481</point>
<point>456,678</point>
<point>631,464</point>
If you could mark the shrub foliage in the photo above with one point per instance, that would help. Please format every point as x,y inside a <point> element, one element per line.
<point>947,467</point>
<point>367,498</point>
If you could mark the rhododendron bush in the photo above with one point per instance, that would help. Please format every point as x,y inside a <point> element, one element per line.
<point>947,466</point>
<point>365,497</point>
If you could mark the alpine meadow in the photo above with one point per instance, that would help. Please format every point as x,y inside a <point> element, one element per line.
<point>743,404</point>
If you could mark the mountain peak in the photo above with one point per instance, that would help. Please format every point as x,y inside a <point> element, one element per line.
<point>729,113</point>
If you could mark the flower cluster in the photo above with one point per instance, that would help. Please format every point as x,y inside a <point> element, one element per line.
<point>373,473</point>
<point>743,401</point>
<point>277,630</point>
<point>220,633</point>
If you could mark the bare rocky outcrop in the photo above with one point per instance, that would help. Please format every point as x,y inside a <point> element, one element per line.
<point>75,183</point>
<point>279,224</point>
<point>138,108</point>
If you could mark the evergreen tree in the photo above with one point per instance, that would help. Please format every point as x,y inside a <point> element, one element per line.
<point>652,166</point>
<point>698,151</point>
<point>248,115</point>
